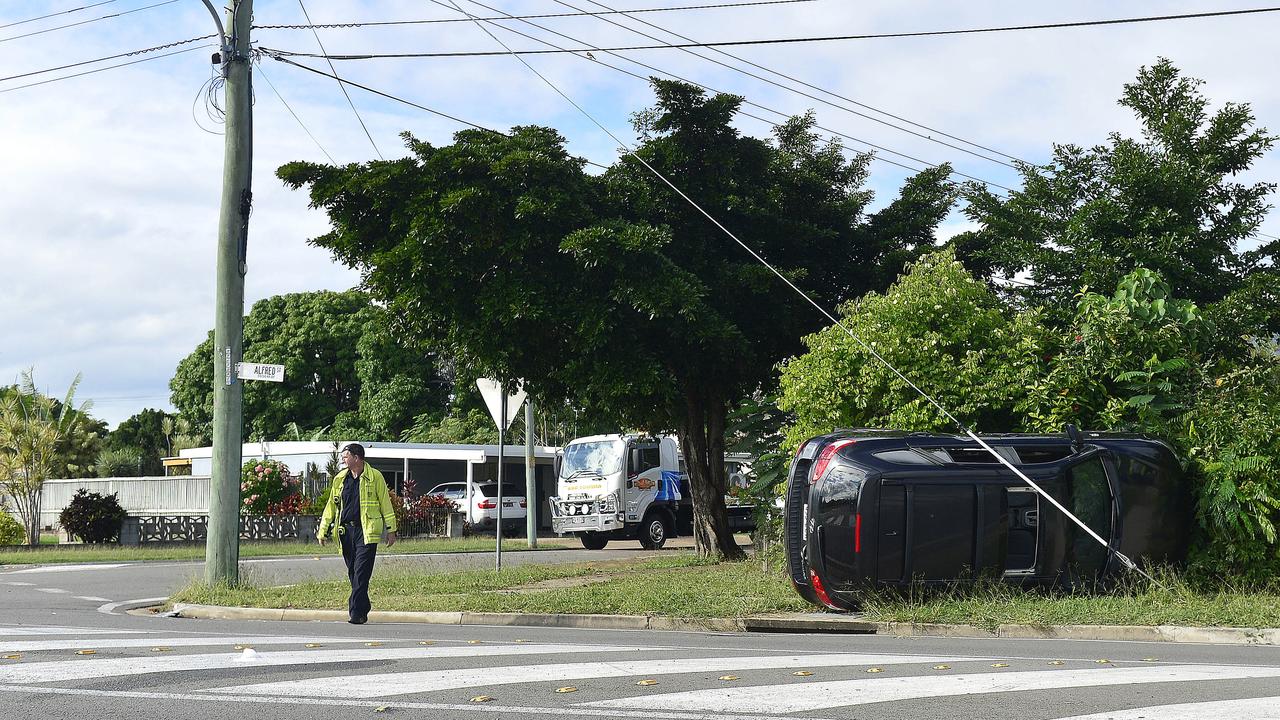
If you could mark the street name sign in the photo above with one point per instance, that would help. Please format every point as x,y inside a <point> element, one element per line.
<point>260,371</point>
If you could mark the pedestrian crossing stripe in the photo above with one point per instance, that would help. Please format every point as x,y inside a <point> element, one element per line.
<point>207,640</point>
<point>407,683</point>
<point>46,630</point>
<point>1266,708</point>
<point>62,671</point>
<point>786,698</point>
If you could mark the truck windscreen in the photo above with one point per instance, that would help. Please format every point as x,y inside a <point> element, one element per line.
<point>604,458</point>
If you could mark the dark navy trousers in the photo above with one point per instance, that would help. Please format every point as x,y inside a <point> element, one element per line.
<point>359,557</point>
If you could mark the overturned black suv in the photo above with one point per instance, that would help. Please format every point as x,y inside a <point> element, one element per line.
<point>881,508</point>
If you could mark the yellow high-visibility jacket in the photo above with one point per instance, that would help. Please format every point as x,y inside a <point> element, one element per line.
<point>376,512</point>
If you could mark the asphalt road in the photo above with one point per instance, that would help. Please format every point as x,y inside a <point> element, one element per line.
<point>167,667</point>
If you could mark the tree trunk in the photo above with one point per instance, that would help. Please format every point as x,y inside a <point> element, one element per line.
<point>702,443</point>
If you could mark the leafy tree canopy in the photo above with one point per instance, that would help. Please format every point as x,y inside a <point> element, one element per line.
<point>342,370</point>
<point>143,434</point>
<point>1169,202</point>
<point>612,290</point>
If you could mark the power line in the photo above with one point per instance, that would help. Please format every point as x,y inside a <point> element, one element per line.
<point>108,57</point>
<point>523,17</point>
<point>867,347</point>
<point>102,69</point>
<point>810,39</point>
<point>805,84</point>
<point>272,54</point>
<point>745,101</point>
<point>55,14</point>
<point>342,87</point>
<point>86,22</point>
<point>295,115</point>
<point>778,84</point>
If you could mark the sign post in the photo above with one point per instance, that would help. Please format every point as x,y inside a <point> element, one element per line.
<point>503,409</point>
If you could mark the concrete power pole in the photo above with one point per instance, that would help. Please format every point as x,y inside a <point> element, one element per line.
<point>222,547</point>
<point>530,479</point>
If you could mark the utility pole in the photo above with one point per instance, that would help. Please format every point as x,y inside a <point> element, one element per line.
<point>222,546</point>
<point>530,479</point>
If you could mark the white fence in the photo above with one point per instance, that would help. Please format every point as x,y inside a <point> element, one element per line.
<point>175,495</point>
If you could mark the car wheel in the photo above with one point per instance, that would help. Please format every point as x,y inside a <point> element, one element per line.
<point>594,540</point>
<point>653,532</point>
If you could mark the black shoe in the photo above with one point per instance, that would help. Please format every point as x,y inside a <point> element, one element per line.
<point>358,621</point>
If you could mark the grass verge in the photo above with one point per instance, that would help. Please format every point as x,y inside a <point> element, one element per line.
<point>45,555</point>
<point>683,585</point>
<point>1172,602</point>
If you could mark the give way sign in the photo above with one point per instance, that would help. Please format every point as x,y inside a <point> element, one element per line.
<point>491,391</point>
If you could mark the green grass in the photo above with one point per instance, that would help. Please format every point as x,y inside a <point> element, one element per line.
<point>680,585</point>
<point>1174,602</point>
<point>46,554</point>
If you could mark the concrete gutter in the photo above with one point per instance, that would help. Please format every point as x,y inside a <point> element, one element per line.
<point>789,623</point>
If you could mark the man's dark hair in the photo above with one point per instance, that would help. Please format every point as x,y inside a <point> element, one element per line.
<point>355,449</point>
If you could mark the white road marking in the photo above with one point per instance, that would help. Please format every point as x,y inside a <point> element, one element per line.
<point>91,598</point>
<point>822,695</point>
<point>152,640</point>
<point>20,584</point>
<point>67,568</point>
<point>42,630</point>
<point>438,707</point>
<point>54,591</point>
<point>1267,708</point>
<point>109,608</point>
<point>64,670</point>
<point>405,683</point>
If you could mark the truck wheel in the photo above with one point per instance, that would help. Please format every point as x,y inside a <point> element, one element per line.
<point>653,532</point>
<point>594,540</point>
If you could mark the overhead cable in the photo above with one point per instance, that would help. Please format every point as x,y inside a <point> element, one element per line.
<point>108,57</point>
<point>633,154</point>
<point>335,26</point>
<point>342,87</point>
<point>86,22</point>
<point>745,101</point>
<point>812,39</point>
<point>55,14</point>
<point>295,115</point>
<point>811,86</point>
<point>103,69</point>
<point>274,56</point>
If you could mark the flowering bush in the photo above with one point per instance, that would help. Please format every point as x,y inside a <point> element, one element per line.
<point>423,513</point>
<point>264,483</point>
<point>295,504</point>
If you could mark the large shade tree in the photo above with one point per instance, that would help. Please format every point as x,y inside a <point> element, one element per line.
<point>343,371</point>
<point>144,436</point>
<point>610,289</point>
<point>1171,201</point>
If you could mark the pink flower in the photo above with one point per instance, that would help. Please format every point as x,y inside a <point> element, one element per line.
<point>258,468</point>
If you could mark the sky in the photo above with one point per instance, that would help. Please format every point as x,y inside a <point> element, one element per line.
<point>110,182</point>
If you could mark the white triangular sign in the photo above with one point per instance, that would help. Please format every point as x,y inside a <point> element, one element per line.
<point>491,391</point>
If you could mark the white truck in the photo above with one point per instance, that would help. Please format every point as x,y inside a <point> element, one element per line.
<point>630,487</point>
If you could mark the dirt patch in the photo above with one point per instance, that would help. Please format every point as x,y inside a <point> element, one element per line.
<point>556,584</point>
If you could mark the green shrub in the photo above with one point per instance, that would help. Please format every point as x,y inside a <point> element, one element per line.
<point>11,532</point>
<point>119,462</point>
<point>92,517</point>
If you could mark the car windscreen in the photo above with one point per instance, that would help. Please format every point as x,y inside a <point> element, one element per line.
<point>507,490</point>
<point>603,457</point>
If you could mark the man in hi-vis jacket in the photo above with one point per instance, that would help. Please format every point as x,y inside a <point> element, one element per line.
<point>358,515</point>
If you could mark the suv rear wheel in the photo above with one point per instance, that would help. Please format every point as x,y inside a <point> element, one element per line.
<point>594,540</point>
